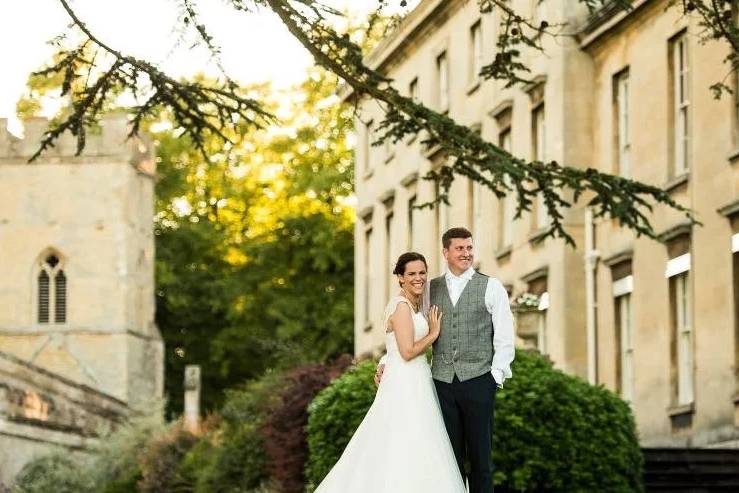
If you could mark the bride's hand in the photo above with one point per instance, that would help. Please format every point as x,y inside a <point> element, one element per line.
<point>435,321</point>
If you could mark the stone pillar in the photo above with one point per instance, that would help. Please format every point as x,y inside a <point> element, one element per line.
<point>192,398</point>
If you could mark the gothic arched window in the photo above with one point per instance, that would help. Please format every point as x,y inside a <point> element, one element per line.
<point>52,291</point>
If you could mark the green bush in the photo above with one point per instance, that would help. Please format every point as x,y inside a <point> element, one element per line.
<point>162,462</point>
<point>56,472</point>
<point>553,432</point>
<point>334,415</point>
<point>232,459</point>
<point>112,467</point>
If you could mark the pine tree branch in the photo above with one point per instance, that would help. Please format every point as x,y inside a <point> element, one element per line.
<point>198,109</point>
<point>467,153</point>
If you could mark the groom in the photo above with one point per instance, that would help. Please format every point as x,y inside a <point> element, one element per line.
<point>471,357</point>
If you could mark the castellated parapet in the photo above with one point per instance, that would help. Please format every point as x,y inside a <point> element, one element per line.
<point>105,143</point>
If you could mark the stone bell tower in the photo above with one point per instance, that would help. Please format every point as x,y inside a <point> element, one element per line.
<point>77,260</point>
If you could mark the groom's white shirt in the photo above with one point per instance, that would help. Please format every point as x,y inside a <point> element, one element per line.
<point>499,308</point>
<point>496,302</point>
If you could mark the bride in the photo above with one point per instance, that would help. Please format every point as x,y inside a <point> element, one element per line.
<point>402,446</point>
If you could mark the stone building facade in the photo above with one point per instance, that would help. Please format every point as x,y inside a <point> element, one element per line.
<point>77,279</point>
<point>628,93</point>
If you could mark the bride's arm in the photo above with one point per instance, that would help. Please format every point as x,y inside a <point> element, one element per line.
<point>402,323</point>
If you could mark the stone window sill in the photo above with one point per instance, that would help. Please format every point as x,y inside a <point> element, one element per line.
<point>681,409</point>
<point>676,182</point>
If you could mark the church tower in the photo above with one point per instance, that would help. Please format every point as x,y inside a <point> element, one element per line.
<point>77,260</point>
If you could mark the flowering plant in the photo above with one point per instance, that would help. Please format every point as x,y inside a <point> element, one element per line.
<point>526,300</point>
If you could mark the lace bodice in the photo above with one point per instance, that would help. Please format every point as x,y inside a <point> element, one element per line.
<point>420,325</point>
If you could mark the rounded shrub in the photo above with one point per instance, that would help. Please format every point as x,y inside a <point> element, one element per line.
<point>334,415</point>
<point>553,432</point>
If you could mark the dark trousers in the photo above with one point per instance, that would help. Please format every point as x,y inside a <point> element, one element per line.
<point>468,409</point>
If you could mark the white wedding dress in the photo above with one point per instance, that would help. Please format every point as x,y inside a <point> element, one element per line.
<point>401,446</point>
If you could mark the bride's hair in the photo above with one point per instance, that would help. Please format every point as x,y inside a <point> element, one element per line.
<point>406,258</point>
<point>400,270</point>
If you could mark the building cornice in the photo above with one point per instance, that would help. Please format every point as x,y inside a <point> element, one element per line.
<point>608,17</point>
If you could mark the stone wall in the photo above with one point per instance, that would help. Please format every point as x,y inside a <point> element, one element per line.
<point>40,411</point>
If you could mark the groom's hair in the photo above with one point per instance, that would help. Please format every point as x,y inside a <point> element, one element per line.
<point>462,233</point>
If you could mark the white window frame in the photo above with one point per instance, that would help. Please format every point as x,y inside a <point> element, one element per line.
<point>627,347</point>
<point>368,233</point>
<point>623,124</point>
<point>622,289</point>
<point>411,216</point>
<point>367,146</point>
<point>677,265</point>
<point>735,243</point>
<point>413,91</point>
<point>442,81</point>
<point>475,52</point>
<point>475,191</point>
<point>507,203</point>
<point>681,104</point>
<point>389,243</point>
<point>538,118</point>
<point>684,338</point>
<point>541,332</point>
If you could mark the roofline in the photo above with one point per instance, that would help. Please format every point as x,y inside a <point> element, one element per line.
<point>412,27</point>
<point>606,19</point>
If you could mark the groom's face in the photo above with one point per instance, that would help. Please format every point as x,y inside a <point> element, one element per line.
<point>460,255</point>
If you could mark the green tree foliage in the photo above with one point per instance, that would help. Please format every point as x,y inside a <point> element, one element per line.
<point>553,432</point>
<point>255,247</point>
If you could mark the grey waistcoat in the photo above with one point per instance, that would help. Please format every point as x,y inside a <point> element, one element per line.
<point>465,346</point>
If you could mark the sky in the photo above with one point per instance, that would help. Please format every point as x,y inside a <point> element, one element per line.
<point>256,47</point>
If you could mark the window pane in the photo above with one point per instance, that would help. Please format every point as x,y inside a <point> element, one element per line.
<point>507,204</point>
<point>387,268</point>
<point>60,298</point>
<point>367,271</point>
<point>411,214</point>
<point>43,297</point>
<point>442,69</point>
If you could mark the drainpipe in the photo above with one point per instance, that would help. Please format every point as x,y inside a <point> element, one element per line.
<point>591,309</point>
